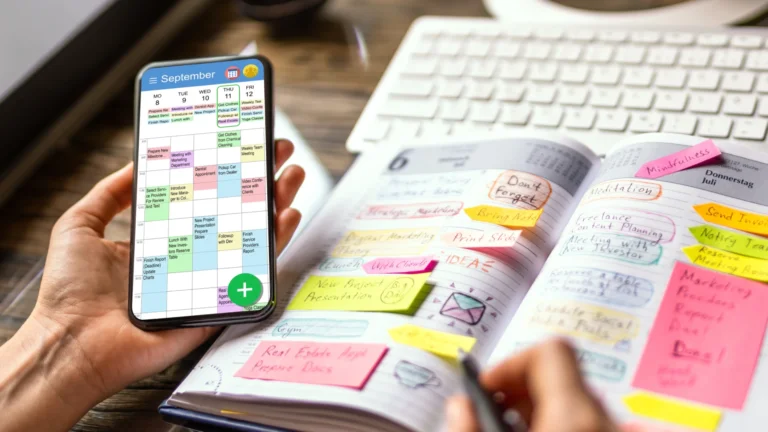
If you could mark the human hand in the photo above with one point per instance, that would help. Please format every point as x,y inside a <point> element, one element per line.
<point>84,291</point>
<point>545,386</point>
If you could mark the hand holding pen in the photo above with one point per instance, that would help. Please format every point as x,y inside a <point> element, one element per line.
<point>542,384</point>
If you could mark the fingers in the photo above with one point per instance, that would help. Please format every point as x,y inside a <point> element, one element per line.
<point>283,150</point>
<point>287,186</point>
<point>286,223</point>
<point>460,415</point>
<point>97,208</point>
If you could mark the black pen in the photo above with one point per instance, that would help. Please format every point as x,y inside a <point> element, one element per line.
<point>489,414</point>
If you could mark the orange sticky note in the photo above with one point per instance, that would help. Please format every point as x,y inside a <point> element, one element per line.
<point>513,218</point>
<point>733,218</point>
<point>706,338</point>
<point>338,364</point>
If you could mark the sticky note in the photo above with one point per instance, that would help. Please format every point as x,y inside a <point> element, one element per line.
<point>730,241</point>
<point>706,338</point>
<point>323,363</point>
<point>385,243</point>
<point>583,320</point>
<point>733,218</point>
<point>514,218</point>
<point>726,262</point>
<point>702,152</point>
<point>387,293</point>
<point>403,265</point>
<point>673,411</point>
<point>478,239</point>
<point>444,345</point>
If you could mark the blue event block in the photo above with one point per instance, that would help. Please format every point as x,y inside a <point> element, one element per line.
<point>154,302</point>
<point>205,261</point>
<point>229,189</point>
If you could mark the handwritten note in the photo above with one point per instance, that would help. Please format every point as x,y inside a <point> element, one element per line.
<point>339,364</point>
<point>673,411</point>
<point>513,218</point>
<point>624,189</point>
<point>730,241</point>
<point>706,338</point>
<point>389,293</point>
<point>600,286</point>
<point>412,211</point>
<point>614,246</point>
<point>726,262</point>
<point>655,227</point>
<point>404,265</point>
<point>478,239</point>
<point>595,323</point>
<point>733,218</point>
<point>444,345</point>
<point>703,152</point>
<point>394,242</point>
<point>520,189</point>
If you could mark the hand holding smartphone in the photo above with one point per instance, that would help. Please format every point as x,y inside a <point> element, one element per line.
<point>203,237</point>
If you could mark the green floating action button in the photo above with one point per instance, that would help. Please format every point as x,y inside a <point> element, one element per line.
<point>244,289</point>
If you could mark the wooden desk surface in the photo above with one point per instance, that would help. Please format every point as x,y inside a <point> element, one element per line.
<point>321,84</point>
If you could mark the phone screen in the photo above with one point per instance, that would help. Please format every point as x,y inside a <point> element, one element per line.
<point>202,234</point>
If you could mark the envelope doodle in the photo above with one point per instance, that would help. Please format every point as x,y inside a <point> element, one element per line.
<point>464,308</point>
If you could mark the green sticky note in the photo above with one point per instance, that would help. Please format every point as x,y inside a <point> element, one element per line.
<point>730,241</point>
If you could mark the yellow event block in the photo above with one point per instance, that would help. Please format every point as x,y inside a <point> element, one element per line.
<point>179,193</point>
<point>726,262</point>
<point>385,293</point>
<point>230,240</point>
<point>444,345</point>
<point>252,153</point>
<point>733,218</point>
<point>673,411</point>
<point>385,243</point>
<point>513,218</point>
<point>730,241</point>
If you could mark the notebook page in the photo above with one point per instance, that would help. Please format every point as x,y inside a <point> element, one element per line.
<point>578,293</point>
<point>420,192</point>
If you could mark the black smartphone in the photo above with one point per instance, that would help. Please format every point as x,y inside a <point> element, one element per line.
<point>202,231</point>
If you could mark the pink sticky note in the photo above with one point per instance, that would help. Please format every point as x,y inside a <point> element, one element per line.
<point>706,338</point>
<point>479,239</point>
<point>339,364</point>
<point>682,160</point>
<point>405,265</point>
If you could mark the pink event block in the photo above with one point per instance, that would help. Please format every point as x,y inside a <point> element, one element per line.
<point>324,363</point>
<point>158,153</point>
<point>254,189</point>
<point>206,177</point>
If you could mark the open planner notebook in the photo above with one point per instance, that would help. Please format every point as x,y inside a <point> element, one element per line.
<point>424,249</point>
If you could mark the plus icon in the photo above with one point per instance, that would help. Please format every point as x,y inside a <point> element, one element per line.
<point>244,289</point>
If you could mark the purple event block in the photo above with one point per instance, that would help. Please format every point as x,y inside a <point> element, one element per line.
<point>182,159</point>
<point>225,305</point>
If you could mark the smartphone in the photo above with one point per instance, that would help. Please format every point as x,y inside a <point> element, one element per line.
<point>202,232</point>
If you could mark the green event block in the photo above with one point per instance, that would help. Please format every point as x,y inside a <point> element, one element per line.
<point>228,139</point>
<point>156,203</point>
<point>179,254</point>
<point>729,241</point>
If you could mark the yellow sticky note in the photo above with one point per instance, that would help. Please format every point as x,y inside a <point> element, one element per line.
<point>385,293</point>
<point>515,218</point>
<point>586,321</point>
<point>385,243</point>
<point>733,218</point>
<point>673,411</point>
<point>444,345</point>
<point>726,262</point>
<point>730,241</point>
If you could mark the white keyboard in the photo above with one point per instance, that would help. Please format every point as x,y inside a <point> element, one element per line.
<point>466,76</point>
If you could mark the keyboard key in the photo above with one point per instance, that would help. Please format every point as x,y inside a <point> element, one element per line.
<point>567,52</point>
<point>637,99</point>
<point>435,129</point>
<point>746,41</point>
<point>714,127</point>
<point>694,57</point>
<point>479,89</point>
<point>615,121</point>
<point>605,75</point>
<point>575,96</point>
<point>662,56</point>
<point>731,58</point>
<point>458,32</point>
<point>420,66</point>
<point>542,72</point>
<point>377,130</point>
<point>517,32</point>
<point>506,49</point>
<point>736,104</point>
<point>757,60</point>
<point>409,107</point>
<point>453,67</point>
<point>412,87</point>
<point>549,33</point>
<point>454,110</point>
<point>750,129</point>
<point>477,47</point>
<point>482,68</point>
<point>448,46</point>
<point>671,78</point>
<point>580,118</point>
<point>631,54</point>
<point>537,51</point>
<point>541,94</point>
<point>762,83</point>
<point>706,103</point>
<point>512,70</point>
<point>638,76</point>
<point>423,46</point>
<point>680,123</point>
<point>704,80</point>
<point>605,98</point>
<point>645,37</point>
<point>489,32</point>
<point>612,36</point>
<point>509,92</point>
<point>679,38</point>
<point>581,35</point>
<point>762,109</point>
<point>404,129</point>
<point>713,39</point>
<point>450,88</point>
<point>598,53</point>
<point>549,116</point>
<point>515,114</point>
<point>738,81</point>
<point>484,112</point>
<point>574,74</point>
<point>645,122</point>
<point>470,129</point>
<point>671,101</point>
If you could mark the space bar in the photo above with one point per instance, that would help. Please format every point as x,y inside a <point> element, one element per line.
<point>412,108</point>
